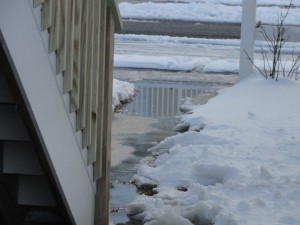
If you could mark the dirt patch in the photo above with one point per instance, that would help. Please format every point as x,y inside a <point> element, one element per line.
<point>146,189</point>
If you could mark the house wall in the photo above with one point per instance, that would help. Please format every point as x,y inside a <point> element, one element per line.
<point>20,159</point>
<point>37,78</point>
<point>62,52</point>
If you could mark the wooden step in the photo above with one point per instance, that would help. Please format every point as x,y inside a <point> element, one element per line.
<point>11,125</point>
<point>35,191</point>
<point>19,158</point>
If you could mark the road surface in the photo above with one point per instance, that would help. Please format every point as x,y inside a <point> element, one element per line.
<point>182,28</point>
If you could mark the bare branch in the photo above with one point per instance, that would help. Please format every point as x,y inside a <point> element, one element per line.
<point>266,62</point>
<point>295,66</point>
<point>260,71</point>
<point>275,43</point>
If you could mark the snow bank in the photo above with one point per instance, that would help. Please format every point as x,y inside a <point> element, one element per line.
<point>182,11</point>
<point>184,63</point>
<point>243,168</point>
<point>210,11</point>
<point>122,91</point>
<point>176,40</point>
<point>175,63</point>
<point>185,54</point>
<point>237,2</point>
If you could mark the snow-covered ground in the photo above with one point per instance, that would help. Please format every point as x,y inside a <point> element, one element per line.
<point>235,2</point>
<point>193,54</point>
<point>122,92</point>
<point>229,11</point>
<point>173,53</point>
<point>242,168</point>
<point>184,54</point>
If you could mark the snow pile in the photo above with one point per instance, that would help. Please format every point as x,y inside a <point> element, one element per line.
<point>237,2</point>
<point>167,40</point>
<point>185,54</point>
<point>175,63</point>
<point>122,92</point>
<point>212,11</point>
<point>171,11</point>
<point>185,63</point>
<point>242,168</point>
<point>176,53</point>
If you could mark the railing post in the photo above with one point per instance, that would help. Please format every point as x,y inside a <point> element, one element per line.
<point>103,184</point>
<point>247,37</point>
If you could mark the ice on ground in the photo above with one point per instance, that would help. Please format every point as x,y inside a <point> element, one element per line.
<point>242,168</point>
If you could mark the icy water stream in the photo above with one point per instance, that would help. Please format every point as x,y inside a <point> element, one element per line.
<point>144,123</point>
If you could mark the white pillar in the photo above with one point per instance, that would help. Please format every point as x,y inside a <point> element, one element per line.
<point>247,37</point>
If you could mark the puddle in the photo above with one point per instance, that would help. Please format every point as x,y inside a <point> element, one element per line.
<point>160,98</point>
<point>158,103</point>
<point>122,192</point>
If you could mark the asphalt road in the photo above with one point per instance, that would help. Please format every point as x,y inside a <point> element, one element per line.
<point>182,29</point>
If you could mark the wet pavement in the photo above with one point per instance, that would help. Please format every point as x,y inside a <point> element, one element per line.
<point>146,136</point>
<point>158,104</point>
<point>152,115</point>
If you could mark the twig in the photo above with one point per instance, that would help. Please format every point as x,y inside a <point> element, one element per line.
<point>255,64</point>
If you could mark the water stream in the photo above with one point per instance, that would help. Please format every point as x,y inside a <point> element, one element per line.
<point>144,123</point>
<point>147,135</point>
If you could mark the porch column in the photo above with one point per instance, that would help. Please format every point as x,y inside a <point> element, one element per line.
<point>247,37</point>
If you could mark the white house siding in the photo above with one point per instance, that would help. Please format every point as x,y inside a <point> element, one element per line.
<point>31,60</point>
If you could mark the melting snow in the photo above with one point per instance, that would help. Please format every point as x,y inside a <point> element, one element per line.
<point>242,168</point>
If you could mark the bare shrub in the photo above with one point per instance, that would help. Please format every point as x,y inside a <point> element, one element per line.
<point>273,65</point>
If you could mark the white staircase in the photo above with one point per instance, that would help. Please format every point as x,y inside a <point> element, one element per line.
<point>56,62</point>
